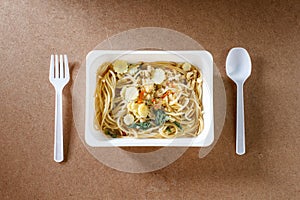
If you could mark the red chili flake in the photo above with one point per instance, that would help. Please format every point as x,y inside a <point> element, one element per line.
<point>166,94</point>
<point>141,96</point>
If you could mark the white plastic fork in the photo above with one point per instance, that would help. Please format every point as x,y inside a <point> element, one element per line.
<point>59,76</point>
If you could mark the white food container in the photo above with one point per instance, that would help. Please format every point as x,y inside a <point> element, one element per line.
<point>201,59</point>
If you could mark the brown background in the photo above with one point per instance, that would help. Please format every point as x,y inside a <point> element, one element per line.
<point>31,30</point>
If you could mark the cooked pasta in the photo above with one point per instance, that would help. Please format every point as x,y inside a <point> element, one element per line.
<point>149,100</point>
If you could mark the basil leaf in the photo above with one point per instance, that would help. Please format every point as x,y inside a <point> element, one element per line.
<point>141,125</point>
<point>111,134</point>
<point>178,125</point>
<point>107,132</point>
<point>168,129</point>
<point>160,117</point>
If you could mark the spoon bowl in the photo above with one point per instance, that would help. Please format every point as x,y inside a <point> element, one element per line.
<point>238,65</point>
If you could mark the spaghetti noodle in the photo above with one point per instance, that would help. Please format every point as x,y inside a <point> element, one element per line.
<point>149,100</point>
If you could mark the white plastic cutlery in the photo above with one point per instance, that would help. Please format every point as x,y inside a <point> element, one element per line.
<point>238,69</point>
<point>59,76</point>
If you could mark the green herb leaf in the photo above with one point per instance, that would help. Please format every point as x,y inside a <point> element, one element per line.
<point>160,117</point>
<point>168,129</point>
<point>141,125</point>
<point>178,125</point>
<point>108,132</point>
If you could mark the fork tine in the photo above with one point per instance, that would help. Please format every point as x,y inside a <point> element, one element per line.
<point>67,72</point>
<point>61,67</point>
<point>56,67</point>
<point>51,73</point>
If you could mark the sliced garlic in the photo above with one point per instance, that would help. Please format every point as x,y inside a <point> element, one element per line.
<point>158,76</point>
<point>186,66</point>
<point>131,93</point>
<point>128,119</point>
<point>129,106</point>
<point>120,66</point>
<point>149,88</point>
<point>134,107</point>
<point>143,110</point>
<point>189,75</point>
<point>122,92</point>
<point>148,97</point>
<point>132,71</point>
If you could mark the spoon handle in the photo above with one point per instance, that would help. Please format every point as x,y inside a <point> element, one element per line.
<point>240,124</point>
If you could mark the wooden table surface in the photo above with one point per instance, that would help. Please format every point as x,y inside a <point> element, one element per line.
<point>31,30</point>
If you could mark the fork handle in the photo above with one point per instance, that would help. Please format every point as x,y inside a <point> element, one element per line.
<point>58,132</point>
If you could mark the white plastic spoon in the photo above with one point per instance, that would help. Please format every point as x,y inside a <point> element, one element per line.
<point>238,69</point>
